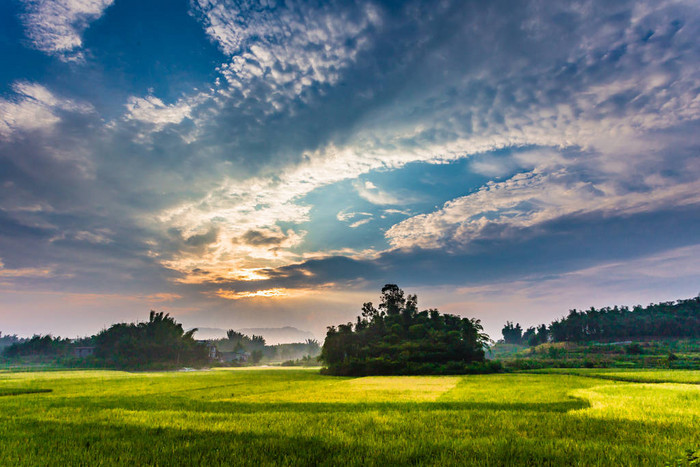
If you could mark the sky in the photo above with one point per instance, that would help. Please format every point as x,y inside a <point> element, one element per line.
<point>247,164</point>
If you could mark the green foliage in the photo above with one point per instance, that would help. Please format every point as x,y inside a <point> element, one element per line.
<point>644,354</point>
<point>39,345</point>
<point>298,417</point>
<point>9,339</point>
<point>396,338</point>
<point>680,319</point>
<point>512,334</point>
<point>261,352</point>
<point>305,361</point>
<point>256,356</point>
<point>158,343</point>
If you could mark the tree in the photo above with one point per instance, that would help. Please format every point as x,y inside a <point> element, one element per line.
<point>679,319</point>
<point>512,334</point>
<point>159,342</point>
<point>396,338</point>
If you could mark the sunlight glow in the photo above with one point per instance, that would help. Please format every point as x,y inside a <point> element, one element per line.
<point>268,293</point>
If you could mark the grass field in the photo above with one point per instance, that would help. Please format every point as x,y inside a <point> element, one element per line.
<point>295,416</point>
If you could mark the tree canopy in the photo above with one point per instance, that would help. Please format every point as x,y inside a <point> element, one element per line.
<point>158,342</point>
<point>667,319</point>
<point>396,338</point>
<point>679,319</point>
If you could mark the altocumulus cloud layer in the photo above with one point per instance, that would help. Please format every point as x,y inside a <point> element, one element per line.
<point>274,163</point>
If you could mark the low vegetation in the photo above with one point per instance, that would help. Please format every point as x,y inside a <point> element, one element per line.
<point>299,417</point>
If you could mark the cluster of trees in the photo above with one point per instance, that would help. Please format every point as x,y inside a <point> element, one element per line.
<point>513,334</point>
<point>9,339</point>
<point>396,338</point>
<point>258,349</point>
<point>39,345</point>
<point>236,341</point>
<point>159,342</point>
<point>679,319</point>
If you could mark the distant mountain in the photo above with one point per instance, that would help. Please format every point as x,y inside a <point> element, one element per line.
<point>210,333</point>
<point>284,335</point>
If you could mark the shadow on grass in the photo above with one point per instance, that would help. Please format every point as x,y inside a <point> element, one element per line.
<point>229,407</point>
<point>20,391</point>
<point>71,442</point>
<point>610,377</point>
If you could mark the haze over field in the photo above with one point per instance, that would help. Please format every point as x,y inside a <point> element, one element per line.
<point>269,164</point>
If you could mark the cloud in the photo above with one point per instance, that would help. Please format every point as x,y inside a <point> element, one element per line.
<point>33,108</point>
<point>360,222</point>
<point>100,236</point>
<point>287,48</point>
<point>267,293</point>
<point>152,110</point>
<point>258,238</point>
<point>23,273</point>
<point>345,216</point>
<point>594,131</point>
<point>374,195</point>
<point>55,26</point>
<point>203,239</point>
<point>578,115</point>
<point>542,195</point>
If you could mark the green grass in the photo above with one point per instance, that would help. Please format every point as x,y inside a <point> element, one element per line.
<point>631,375</point>
<point>298,417</point>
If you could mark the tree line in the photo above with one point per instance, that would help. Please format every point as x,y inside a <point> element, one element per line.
<point>396,338</point>
<point>159,343</point>
<point>256,349</point>
<point>675,319</point>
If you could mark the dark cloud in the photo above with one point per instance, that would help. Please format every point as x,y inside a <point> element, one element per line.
<point>557,247</point>
<point>203,239</point>
<point>258,238</point>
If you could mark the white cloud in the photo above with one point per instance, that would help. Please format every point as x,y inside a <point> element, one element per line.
<point>533,198</point>
<point>34,107</point>
<point>285,49</point>
<point>356,224</point>
<point>374,195</point>
<point>153,112</point>
<point>345,216</point>
<point>55,26</point>
<point>150,109</point>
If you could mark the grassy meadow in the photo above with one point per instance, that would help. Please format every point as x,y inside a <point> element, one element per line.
<point>299,417</point>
